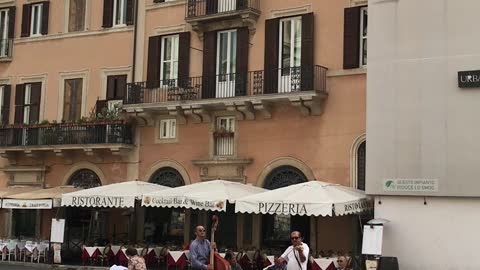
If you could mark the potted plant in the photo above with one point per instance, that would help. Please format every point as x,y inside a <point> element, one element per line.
<point>222,132</point>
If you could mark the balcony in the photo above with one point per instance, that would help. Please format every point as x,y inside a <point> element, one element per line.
<point>304,87</point>
<point>203,14</point>
<point>6,47</point>
<point>87,137</point>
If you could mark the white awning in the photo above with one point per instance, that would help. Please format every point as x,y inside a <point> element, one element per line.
<point>210,195</point>
<point>12,190</point>
<point>313,198</point>
<point>118,195</point>
<point>37,199</point>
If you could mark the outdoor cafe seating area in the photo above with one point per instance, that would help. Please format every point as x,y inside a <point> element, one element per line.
<point>24,250</point>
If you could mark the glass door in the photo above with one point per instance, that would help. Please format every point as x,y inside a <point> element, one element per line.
<point>290,55</point>
<point>226,63</point>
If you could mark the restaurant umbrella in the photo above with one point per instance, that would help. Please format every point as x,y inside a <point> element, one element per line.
<point>312,198</point>
<point>117,195</point>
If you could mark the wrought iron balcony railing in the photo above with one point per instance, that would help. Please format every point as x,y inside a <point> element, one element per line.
<point>260,82</point>
<point>203,8</point>
<point>6,46</point>
<point>66,134</point>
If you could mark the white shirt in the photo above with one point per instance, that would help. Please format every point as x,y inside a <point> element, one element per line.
<point>289,256</point>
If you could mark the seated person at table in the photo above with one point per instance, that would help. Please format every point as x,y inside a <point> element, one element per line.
<point>233,261</point>
<point>342,263</point>
<point>278,265</point>
<point>135,262</point>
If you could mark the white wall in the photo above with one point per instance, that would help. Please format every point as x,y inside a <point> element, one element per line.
<point>442,235</point>
<point>419,123</point>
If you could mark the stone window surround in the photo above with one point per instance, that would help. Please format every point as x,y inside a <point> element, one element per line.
<point>112,71</point>
<point>84,165</point>
<point>81,74</point>
<point>353,159</point>
<point>213,126</point>
<point>157,139</point>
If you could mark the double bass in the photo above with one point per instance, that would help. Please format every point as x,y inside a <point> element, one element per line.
<point>216,261</point>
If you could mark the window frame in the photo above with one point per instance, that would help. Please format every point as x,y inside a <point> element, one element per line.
<point>169,128</point>
<point>4,38</point>
<point>123,13</point>
<point>73,99</point>
<point>68,7</point>
<point>293,35</point>
<point>33,31</point>
<point>230,126</point>
<point>175,41</point>
<point>231,51</point>
<point>363,24</point>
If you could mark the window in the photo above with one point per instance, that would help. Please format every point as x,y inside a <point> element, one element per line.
<point>116,87</point>
<point>119,12</point>
<point>169,59</point>
<point>36,20</point>
<point>224,136</point>
<point>226,53</point>
<point>72,102</point>
<point>24,223</point>
<point>27,103</point>
<point>4,104</point>
<point>2,89</point>
<point>76,15</point>
<point>226,63</point>
<point>361,154</point>
<point>363,35</point>
<point>85,178</point>
<point>168,129</point>
<point>290,54</point>
<point>4,24</point>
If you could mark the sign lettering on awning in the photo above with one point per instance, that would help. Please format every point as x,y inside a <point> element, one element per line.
<point>27,204</point>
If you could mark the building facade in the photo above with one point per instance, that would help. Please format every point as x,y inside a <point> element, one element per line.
<point>263,92</point>
<point>421,163</point>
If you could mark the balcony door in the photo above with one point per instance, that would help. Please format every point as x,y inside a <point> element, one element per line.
<point>226,63</point>
<point>227,5</point>
<point>4,32</point>
<point>290,55</point>
<point>169,60</point>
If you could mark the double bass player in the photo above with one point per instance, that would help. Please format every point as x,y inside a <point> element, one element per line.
<point>200,249</point>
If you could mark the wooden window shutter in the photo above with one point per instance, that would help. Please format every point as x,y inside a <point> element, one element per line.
<point>243,40</point>
<point>183,59</point>
<point>35,97</point>
<point>77,99</point>
<point>130,12</point>
<point>111,84</point>
<point>212,6</point>
<point>153,66</point>
<point>45,12</point>
<point>19,103</point>
<point>351,38</point>
<point>76,19</point>
<point>209,64</point>
<point>26,19</point>
<point>306,59</point>
<point>67,100</point>
<point>121,90</point>
<point>271,56</point>
<point>107,13</point>
<point>99,106</point>
<point>11,22</point>
<point>6,105</point>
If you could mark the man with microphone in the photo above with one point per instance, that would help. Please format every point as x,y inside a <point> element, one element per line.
<point>296,255</point>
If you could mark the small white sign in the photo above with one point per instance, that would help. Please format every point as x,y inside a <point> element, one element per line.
<point>410,185</point>
<point>27,204</point>
<point>57,231</point>
<point>372,240</point>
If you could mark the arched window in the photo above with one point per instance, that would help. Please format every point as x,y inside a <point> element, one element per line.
<point>165,224</point>
<point>276,228</point>
<point>361,154</point>
<point>85,178</point>
<point>167,176</point>
<point>284,176</point>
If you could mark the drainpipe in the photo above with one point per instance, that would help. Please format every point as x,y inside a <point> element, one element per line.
<point>134,40</point>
